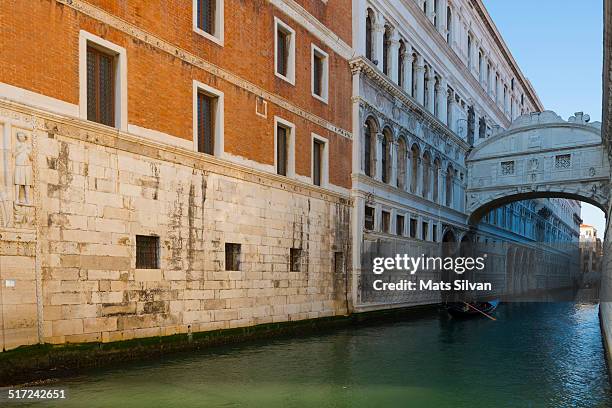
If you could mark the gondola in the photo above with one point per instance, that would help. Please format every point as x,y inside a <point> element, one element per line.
<point>464,309</point>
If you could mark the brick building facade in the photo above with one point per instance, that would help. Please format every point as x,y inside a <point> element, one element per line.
<point>129,229</point>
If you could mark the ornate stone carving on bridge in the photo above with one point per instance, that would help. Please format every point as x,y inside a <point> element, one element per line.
<point>540,155</point>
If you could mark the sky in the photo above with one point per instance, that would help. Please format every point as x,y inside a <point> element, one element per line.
<point>559,46</point>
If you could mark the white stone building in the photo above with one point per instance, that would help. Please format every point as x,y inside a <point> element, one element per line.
<point>431,79</point>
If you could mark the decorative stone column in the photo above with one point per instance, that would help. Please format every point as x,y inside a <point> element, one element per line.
<point>394,57</point>
<point>379,40</point>
<point>420,80</point>
<point>430,10</point>
<point>394,156</point>
<point>408,60</point>
<point>379,153</point>
<point>451,111</point>
<point>442,101</point>
<point>431,91</point>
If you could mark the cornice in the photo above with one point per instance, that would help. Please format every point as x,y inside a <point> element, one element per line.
<point>112,138</point>
<point>362,65</point>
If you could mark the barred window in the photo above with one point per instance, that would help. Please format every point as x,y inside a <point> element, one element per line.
<point>100,87</point>
<point>295,259</point>
<point>147,252</point>
<point>339,263</point>
<point>507,168</point>
<point>232,257</point>
<point>563,161</point>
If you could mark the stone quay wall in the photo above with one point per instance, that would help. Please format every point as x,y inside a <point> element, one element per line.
<point>68,249</point>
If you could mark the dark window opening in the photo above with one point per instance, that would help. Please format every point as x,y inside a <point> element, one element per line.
<point>206,123</point>
<point>295,259</point>
<point>386,220</point>
<point>100,87</point>
<point>434,233</point>
<point>413,228</point>
<point>425,231</point>
<point>282,58</point>
<point>318,68</point>
<point>317,162</point>
<point>281,150</point>
<point>147,252</point>
<point>369,218</point>
<point>339,263</point>
<point>399,225</point>
<point>232,257</point>
<point>206,15</point>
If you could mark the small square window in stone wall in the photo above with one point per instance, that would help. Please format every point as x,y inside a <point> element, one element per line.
<point>563,161</point>
<point>507,168</point>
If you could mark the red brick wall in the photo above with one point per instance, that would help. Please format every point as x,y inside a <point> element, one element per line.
<point>40,53</point>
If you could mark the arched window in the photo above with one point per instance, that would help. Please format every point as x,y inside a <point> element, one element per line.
<point>436,176</point>
<point>401,61</point>
<point>401,163</point>
<point>426,174</point>
<point>387,143</point>
<point>415,154</point>
<point>386,48</point>
<point>369,34</point>
<point>369,150</point>
<point>449,185</point>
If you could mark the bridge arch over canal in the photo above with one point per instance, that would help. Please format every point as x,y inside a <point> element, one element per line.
<point>539,156</point>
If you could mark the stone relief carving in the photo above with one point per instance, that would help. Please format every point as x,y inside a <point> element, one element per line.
<point>16,177</point>
<point>22,175</point>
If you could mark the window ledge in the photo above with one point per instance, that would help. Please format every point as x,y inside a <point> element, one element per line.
<point>217,40</point>
<point>284,78</point>
<point>320,98</point>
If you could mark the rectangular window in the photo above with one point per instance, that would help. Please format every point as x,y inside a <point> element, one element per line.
<point>320,73</point>
<point>100,87</point>
<point>208,19</point>
<point>281,150</point>
<point>507,168</point>
<point>232,257</point>
<point>295,259</point>
<point>386,220</point>
<point>339,263</point>
<point>425,231</point>
<point>399,225</point>
<point>369,218</point>
<point>285,51</point>
<point>206,123</point>
<point>206,15</point>
<point>434,233</point>
<point>147,252</point>
<point>563,161</point>
<point>317,162</point>
<point>413,228</point>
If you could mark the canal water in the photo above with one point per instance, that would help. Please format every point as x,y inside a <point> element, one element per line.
<point>534,355</point>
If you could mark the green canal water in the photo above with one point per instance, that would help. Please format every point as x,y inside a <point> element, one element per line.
<point>534,355</point>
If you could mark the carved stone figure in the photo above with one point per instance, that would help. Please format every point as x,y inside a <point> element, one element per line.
<point>23,169</point>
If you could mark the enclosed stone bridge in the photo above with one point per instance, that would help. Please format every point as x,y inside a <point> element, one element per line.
<point>539,156</point>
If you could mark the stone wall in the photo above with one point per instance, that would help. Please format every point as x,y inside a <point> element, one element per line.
<point>93,189</point>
